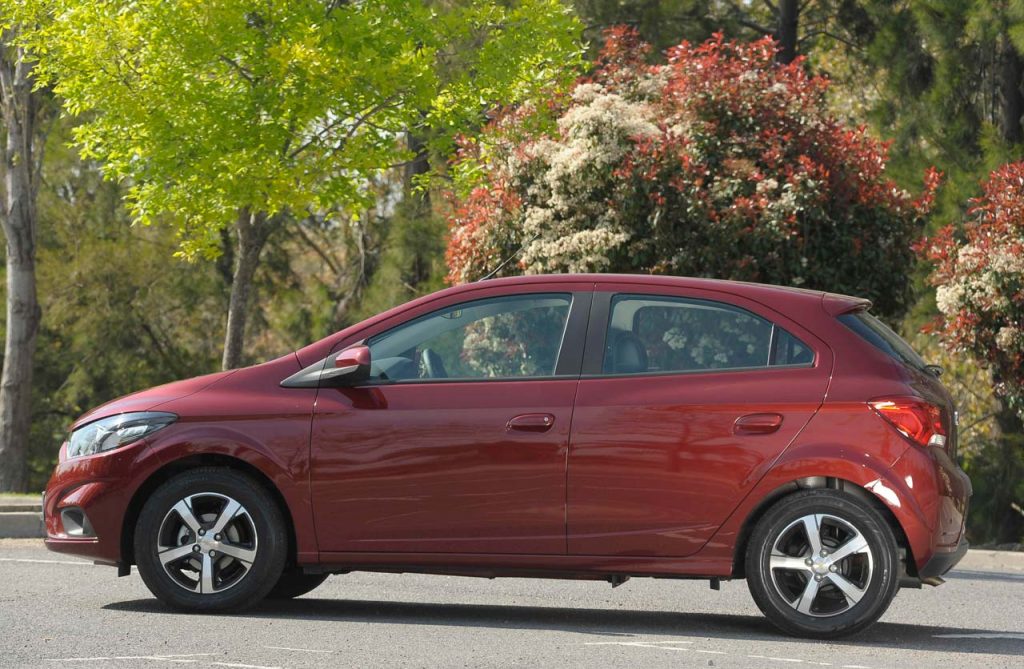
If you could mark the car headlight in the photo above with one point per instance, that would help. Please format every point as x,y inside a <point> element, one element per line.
<point>114,431</point>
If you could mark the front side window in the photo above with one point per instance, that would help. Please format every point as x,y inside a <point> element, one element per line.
<point>652,334</point>
<point>504,337</point>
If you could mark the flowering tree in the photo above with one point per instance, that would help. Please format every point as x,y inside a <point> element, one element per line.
<point>979,277</point>
<point>980,282</point>
<point>720,163</point>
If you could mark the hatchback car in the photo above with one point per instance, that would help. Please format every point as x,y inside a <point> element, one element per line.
<point>587,427</point>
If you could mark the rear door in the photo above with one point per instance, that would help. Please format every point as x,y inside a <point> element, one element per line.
<point>687,397</point>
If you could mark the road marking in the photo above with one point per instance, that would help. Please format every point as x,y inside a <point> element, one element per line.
<point>183,658</point>
<point>78,562</point>
<point>298,650</point>
<point>628,643</point>
<point>156,658</point>
<point>983,635</point>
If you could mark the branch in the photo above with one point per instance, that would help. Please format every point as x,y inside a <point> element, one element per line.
<point>316,248</point>
<point>360,120</point>
<point>241,70</point>
<point>826,33</point>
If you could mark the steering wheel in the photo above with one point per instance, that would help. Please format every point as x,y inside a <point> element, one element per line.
<point>433,365</point>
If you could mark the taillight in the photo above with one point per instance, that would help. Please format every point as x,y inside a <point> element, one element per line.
<point>916,419</point>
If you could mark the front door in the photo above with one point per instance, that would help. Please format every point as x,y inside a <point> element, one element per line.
<point>458,443</point>
<point>688,398</point>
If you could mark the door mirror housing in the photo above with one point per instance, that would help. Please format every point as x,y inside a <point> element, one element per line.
<point>345,368</point>
<point>351,365</point>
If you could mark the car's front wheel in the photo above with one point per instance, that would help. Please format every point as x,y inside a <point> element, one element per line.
<point>822,564</point>
<point>210,539</point>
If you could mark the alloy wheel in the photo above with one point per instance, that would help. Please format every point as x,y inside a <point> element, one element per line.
<point>207,543</point>
<point>821,565</point>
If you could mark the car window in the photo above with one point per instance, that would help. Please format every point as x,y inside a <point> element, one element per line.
<point>505,337</point>
<point>788,350</point>
<point>879,335</point>
<point>652,334</point>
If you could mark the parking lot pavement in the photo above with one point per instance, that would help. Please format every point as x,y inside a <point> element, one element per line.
<point>61,613</point>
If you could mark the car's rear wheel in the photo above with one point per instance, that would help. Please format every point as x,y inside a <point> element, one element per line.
<point>294,583</point>
<point>822,564</point>
<point>210,539</point>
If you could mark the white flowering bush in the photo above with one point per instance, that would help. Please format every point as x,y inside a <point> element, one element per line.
<point>719,163</point>
<point>979,278</point>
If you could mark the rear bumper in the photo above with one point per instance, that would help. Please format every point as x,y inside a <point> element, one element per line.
<point>941,563</point>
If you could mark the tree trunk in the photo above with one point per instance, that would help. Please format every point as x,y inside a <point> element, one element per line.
<point>1011,97</point>
<point>787,29</point>
<point>252,231</point>
<point>19,224</point>
<point>1009,436</point>
<point>417,208</point>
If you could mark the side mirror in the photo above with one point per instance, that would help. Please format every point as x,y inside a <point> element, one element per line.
<point>351,365</point>
<point>345,368</point>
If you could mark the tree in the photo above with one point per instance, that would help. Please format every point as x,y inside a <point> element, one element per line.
<point>25,110</point>
<point>978,271</point>
<point>944,80</point>
<point>250,115</point>
<point>720,164</point>
<point>797,26</point>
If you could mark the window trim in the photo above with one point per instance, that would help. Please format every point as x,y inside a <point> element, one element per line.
<point>600,314</point>
<point>570,353</point>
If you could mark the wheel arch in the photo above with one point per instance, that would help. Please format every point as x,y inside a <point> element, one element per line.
<point>194,461</point>
<point>874,500</point>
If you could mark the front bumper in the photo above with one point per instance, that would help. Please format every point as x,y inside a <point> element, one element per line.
<point>97,489</point>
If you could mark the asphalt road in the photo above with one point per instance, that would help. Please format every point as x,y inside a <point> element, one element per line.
<point>61,613</point>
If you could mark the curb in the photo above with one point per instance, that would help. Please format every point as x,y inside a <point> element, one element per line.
<point>21,525</point>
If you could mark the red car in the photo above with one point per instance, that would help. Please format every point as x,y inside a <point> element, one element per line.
<point>574,426</point>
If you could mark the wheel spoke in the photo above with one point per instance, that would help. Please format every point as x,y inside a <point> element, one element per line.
<point>231,508</point>
<point>206,576</point>
<point>851,591</point>
<point>175,553</point>
<point>854,545</point>
<point>244,554</point>
<point>812,528</point>
<point>808,596</point>
<point>777,561</point>
<point>184,512</point>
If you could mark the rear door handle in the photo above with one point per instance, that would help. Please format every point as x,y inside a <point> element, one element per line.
<point>531,422</point>
<point>757,423</point>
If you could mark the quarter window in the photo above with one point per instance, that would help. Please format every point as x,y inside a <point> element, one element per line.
<point>506,337</point>
<point>652,334</point>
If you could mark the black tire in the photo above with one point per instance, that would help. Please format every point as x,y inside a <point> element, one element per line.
<point>263,519</point>
<point>293,583</point>
<point>875,573</point>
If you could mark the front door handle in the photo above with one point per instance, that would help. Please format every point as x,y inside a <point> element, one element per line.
<point>531,422</point>
<point>757,423</point>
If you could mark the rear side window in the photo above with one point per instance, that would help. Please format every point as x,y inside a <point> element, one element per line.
<point>881,336</point>
<point>657,334</point>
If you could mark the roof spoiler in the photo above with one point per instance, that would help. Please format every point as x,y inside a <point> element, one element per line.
<point>837,305</point>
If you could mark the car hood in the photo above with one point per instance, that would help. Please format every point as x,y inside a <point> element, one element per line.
<point>151,398</point>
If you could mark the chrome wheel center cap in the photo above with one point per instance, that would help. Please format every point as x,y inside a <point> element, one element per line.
<point>820,567</point>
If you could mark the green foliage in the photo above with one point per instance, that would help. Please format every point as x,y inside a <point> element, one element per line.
<point>207,107</point>
<point>119,313</point>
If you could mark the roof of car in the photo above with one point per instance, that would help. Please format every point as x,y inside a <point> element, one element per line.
<point>753,290</point>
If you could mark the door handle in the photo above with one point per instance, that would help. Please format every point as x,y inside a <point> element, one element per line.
<point>757,423</point>
<point>531,422</point>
